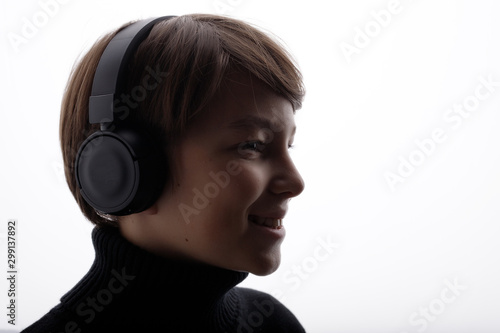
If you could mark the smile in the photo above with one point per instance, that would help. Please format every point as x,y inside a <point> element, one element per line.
<point>275,223</point>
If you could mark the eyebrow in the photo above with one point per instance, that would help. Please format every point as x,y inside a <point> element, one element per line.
<point>252,122</point>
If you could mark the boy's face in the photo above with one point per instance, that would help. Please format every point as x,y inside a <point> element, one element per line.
<point>233,169</point>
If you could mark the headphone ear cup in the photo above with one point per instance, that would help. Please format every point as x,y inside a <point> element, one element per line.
<point>120,172</point>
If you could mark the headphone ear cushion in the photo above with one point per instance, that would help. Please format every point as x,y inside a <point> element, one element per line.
<point>120,172</point>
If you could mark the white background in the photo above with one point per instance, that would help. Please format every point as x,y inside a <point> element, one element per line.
<point>393,250</point>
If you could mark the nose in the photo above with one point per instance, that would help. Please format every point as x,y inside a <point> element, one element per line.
<point>286,180</point>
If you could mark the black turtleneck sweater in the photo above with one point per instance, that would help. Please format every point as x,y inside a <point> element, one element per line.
<point>128,289</point>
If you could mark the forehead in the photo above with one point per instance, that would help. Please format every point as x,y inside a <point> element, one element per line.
<point>245,102</point>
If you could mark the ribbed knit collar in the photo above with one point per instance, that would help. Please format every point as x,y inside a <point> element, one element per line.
<point>128,282</point>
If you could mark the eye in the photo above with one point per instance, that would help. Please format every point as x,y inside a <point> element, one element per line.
<point>257,146</point>
<point>251,149</point>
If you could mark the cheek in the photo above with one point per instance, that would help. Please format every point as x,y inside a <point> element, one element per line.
<point>235,193</point>
<point>221,192</point>
<point>226,216</point>
<point>248,185</point>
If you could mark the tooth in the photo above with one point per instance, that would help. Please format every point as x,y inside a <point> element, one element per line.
<point>273,223</point>
<point>268,222</point>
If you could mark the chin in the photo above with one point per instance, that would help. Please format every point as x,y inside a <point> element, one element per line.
<point>266,266</point>
<point>258,270</point>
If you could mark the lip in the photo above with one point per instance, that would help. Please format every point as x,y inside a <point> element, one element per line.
<point>271,215</point>
<point>275,233</point>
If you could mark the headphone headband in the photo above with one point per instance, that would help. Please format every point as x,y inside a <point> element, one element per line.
<point>108,76</point>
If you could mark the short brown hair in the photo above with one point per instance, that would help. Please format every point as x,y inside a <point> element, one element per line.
<point>189,57</point>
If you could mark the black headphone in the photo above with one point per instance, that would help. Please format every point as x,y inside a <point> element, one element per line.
<point>119,169</point>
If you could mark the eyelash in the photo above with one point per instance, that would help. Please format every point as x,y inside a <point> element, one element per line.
<point>252,145</point>
<point>257,146</point>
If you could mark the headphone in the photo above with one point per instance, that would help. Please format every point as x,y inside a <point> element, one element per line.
<point>120,169</point>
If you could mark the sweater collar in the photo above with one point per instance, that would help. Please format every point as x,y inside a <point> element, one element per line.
<point>130,274</point>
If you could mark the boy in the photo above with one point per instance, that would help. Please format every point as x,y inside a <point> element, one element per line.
<point>202,120</point>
